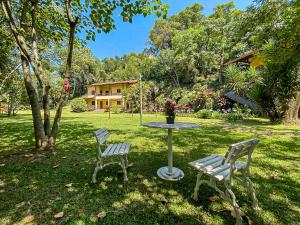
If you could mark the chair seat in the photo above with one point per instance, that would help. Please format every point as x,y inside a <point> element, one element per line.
<point>116,150</point>
<point>213,166</point>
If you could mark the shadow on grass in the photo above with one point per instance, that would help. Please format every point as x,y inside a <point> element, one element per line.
<point>32,186</point>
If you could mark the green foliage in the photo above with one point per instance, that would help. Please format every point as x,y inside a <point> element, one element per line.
<point>98,16</point>
<point>275,27</point>
<point>115,109</point>
<point>238,112</point>
<point>204,114</point>
<point>241,81</point>
<point>162,33</point>
<point>79,105</point>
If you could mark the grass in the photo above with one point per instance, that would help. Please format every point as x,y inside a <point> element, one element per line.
<point>32,184</point>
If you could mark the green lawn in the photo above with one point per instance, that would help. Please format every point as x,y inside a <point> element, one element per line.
<point>32,185</point>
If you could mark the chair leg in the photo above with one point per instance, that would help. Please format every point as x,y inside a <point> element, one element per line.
<point>99,166</point>
<point>232,198</point>
<point>196,189</point>
<point>126,161</point>
<point>123,165</point>
<point>251,191</point>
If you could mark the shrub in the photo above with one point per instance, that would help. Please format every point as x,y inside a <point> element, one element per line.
<point>216,115</point>
<point>115,109</point>
<point>204,114</point>
<point>239,112</point>
<point>183,108</point>
<point>232,116</point>
<point>79,105</point>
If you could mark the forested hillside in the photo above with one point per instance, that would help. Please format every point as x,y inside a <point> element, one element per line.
<point>185,58</point>
<point>186,54</point>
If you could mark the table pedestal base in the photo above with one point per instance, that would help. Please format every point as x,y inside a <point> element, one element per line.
<point>163,173</point>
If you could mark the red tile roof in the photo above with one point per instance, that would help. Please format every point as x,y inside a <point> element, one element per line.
<point>243,58</point>
<point>114,82</point>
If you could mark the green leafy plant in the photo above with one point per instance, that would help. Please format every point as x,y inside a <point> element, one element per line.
<point>115,109</point>
<point>204,114</point>
<point>239,112</point>
<point>79,105</point>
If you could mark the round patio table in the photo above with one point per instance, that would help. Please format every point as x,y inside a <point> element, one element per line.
<point>169,172</point>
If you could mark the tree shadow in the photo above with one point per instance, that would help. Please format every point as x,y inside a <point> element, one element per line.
<point>32,186</point>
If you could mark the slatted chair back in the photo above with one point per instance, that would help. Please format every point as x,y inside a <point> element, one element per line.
<point>239,150</point>
<point>101,136</point>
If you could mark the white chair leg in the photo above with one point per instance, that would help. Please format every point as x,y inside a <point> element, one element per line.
<point>196,189</point>
<point>232,198</point>
<point>99,166</point>
<point>251,191</point>
<point>123,165</point>
<point>126,161</point>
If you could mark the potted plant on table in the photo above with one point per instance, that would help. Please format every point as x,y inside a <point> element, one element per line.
<point>170,107</point>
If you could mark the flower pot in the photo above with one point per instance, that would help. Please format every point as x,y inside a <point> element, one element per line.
<point>170,119</point>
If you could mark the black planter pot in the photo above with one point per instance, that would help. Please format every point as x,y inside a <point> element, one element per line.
<point>170,119</point>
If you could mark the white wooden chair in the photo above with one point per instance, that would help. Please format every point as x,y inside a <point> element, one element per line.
<point>222,169</point>
<point>113,153</point>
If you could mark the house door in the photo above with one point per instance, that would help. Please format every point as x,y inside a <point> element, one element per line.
<point>101,105</point>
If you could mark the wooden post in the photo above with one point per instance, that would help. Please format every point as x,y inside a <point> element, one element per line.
<point>141,101</point>
<point>109,108</point>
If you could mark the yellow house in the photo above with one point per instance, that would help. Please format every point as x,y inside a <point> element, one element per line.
<point>103,95</point>
<point>251,58</point>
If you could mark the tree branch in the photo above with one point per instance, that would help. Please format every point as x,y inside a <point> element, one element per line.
<point>39,69</point>
<point>4,80</point>
<point>68,67</point>
<point>19,38</point>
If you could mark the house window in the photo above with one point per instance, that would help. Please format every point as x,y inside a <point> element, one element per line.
<point>118,102</point>
<point>118,90</point>
<point>93,102</point>
<point>93,92</point>
<point>106,92</point>
<point>101,92</point>
<point>106,103</point>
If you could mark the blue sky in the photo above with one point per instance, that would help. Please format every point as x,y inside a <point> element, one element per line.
<point>133,37</point>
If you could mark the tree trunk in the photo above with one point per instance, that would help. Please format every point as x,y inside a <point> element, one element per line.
<point>221,67</point>
<point>9,106</point>
<point>40,138</point>
<point>39,70</point>
<point>56,122</point>
<point>291,115</point>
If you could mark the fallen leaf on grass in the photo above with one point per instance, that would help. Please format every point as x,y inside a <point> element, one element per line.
<point>40,155</point>
<point>101,215</point>
<point>64,157</point>
<point>232,212</point>
<point>59,215</point>
<point>27,220</point>
<point>69,185</point>
<point>273,177</point>
<point>213,198</point>
<point>164,201</point>
<point>130,165</point>
<point>2,164</point>
<point>55,166</point>
<point>245,218</point>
